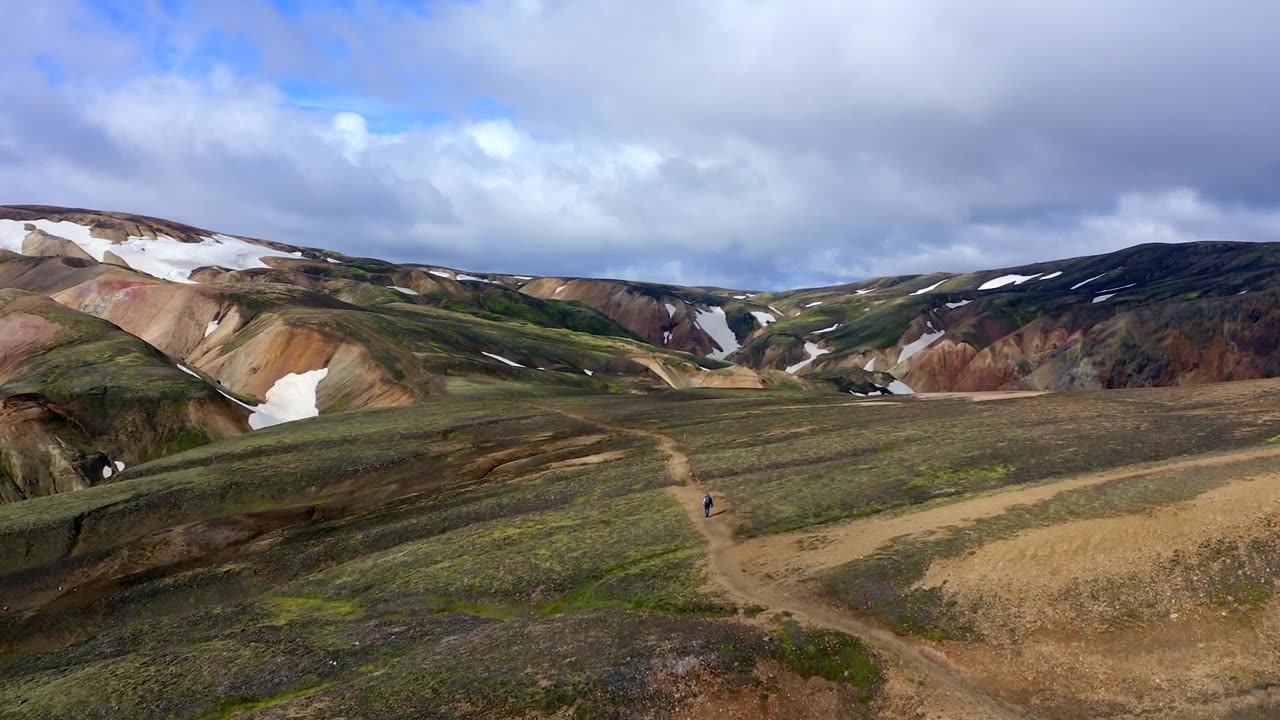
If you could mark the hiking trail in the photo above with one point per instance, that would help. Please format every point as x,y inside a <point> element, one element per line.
<point>749,590</point>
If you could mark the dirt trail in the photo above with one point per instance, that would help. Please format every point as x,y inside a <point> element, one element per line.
<point>750,590</point>
<point>801,554</point>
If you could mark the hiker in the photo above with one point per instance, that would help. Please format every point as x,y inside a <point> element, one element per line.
<point>706,505</point>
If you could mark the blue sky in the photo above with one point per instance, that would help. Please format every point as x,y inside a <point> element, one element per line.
<point>754,145</point>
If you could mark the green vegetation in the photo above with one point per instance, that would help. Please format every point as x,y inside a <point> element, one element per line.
<point>830,655</point>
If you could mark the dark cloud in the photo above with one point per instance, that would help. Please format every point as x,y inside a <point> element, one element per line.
<point>717,142</point>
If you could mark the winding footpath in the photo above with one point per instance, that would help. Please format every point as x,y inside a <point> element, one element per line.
<point>747,590</point>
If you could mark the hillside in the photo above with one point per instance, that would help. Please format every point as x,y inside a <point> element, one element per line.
<point>81,400</point>
<point>479,559</point>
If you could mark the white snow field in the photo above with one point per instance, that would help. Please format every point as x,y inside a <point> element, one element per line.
<point>1052,275</point>
<point>954,305</point>
<point>920,343</point>
<point>405,290</point>
<point>292,397</point>
<point>671,309</point>
<point>864,292</point>
<point>897,387</point>
<point>814,304</point>
<point>212,327</point>
<point>814,353</point>
<point>1004,280</point>
<point>439,273</point>
<point>871,366</point>
<point>335,262</point>
<point>931,288</point>
<point>163,257</point>
<point>713,322</point>
<point>763,318</point>
<point>823,331</point>
<point>1104,298</point>
<point>501,359</point>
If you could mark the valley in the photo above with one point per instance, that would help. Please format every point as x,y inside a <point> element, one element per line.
<point>248,479</point>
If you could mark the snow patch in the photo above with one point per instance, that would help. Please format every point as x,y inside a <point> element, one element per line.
<point>1114,289</point>
<point>666,337</point>
<point>825,330</point>
<point>557,292</point>
<point>864,292</point>
<point>106,471</point>
<point>960,304</point>
<point>871,366</point>
<point>189,371</point>
<point>1104,298</point>
<point>522,277</point>
<point>931,288</point>
<point>814,304</point>
<point>473,278</point>
<point>671,309</point>
<point>162,257</point>
<point>813,351</point>
<point>920,343</point>
<point>739,297</point>
<point>1086,282</point>
<point>212,327</point>
<point>335,262</point>
<point>292,397</point>
<point>119,466</point>
<point>588,372</point>
<point>1052,275</point>
<point>405,290</point>
<point>714,323</point>
<point>1006,280</point>
<point>439,273</point>
<point>897,387</point>
<point>501,359</point>
<point>763,318</point>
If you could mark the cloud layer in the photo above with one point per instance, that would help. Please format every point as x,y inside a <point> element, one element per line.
<point>719,142</point>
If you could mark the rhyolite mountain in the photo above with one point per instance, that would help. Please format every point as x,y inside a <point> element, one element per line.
<point>227,334</point>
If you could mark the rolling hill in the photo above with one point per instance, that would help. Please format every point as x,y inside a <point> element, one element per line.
<point>255,480</point>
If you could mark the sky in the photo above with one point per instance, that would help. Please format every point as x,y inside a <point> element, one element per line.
<point>740,143</point>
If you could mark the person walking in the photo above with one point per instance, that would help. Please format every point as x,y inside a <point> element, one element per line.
<point>706,505</point>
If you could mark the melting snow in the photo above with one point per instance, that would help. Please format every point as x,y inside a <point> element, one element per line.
<point>919,344</point>
<point>189,371</point>
<point>404,290</point>
<point>106,471</point>
<point>1006,280</point>
<point>1242,292</point>
<point>1104,298</point>
<point>671,309</point>
<point>955,305</point>
<point>1051,275</point>
<point>335,262</point>
<point>1122,287</point>
<point>439,273</point>
<point>293,397</point>
<point>1086,282</point>
<point>557,292</point>
<point>713,322</point>
<point>931,288</point>
<point>211,328</point>
<point>763,318</point>
<point>588,372</point>
<point>864,292</point>
<point>464,276</point>
<point>499,358</point>
<point>897,387</point>
<point>814,304</point>
<point>119,466</point>
<point>739,297</point>
<point>825,330</point>
<point>163,257</point>
<point>871,366</point>
<point>814,353</point>
<point>522,277</point>
<point>666,337</point>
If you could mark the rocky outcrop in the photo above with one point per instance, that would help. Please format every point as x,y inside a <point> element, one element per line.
<point>41,244</point>
<point>43,452</point>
